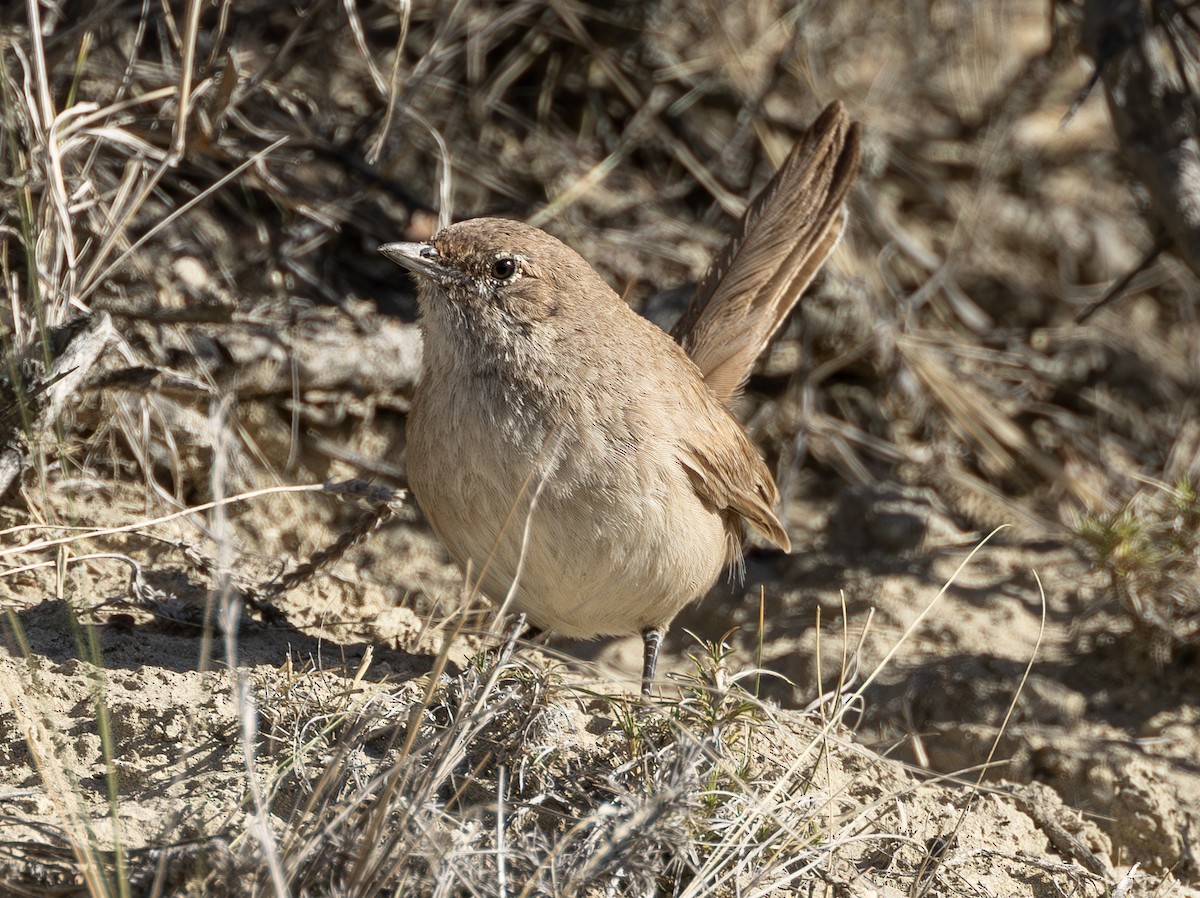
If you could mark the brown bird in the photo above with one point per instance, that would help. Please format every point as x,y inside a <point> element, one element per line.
<point>582,462</point>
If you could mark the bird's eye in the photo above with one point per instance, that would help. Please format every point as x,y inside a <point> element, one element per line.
<point>504,268</point>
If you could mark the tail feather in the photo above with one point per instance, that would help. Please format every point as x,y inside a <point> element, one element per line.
<point>780,244</point>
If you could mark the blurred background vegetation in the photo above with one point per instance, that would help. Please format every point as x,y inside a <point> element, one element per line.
<point>191,195</point>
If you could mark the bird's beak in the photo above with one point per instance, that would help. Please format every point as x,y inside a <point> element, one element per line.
<point>419,258</point>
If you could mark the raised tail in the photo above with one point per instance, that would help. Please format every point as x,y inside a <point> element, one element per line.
<point>783,239</point>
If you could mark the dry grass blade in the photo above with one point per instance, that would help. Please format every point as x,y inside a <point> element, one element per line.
<point>924,880</point>
<point>779,245</point>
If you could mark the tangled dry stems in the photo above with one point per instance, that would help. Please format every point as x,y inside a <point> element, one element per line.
<point>144,176</point>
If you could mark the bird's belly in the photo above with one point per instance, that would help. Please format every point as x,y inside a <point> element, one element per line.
<point>595,555</point>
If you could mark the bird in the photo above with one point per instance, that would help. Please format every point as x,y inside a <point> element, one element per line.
<point>581,462</point>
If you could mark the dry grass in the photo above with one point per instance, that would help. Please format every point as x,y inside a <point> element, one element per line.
<point>463,784</point>
<point>215,178</point>
<point>635,134</point>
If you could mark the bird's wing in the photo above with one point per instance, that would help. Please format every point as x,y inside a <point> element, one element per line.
<point>728,473</point>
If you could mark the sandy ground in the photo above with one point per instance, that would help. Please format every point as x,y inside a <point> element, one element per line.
<point>1094,770</point>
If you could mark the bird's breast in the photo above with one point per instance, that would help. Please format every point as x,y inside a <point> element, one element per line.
<point>600,526</point>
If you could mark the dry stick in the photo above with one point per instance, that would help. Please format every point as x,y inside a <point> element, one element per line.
<point>38,545</point>
<point>526,533</point>
<point>445,179</point>
<point>1063,840</point>
<point>364,527</point>
<point>1122,283</point>
<point>179,140</point>
<point>375,150</point>
<point>243,694</point>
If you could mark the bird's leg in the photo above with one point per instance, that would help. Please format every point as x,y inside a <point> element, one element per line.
<point>532,634</point>
<point>652,638</point>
